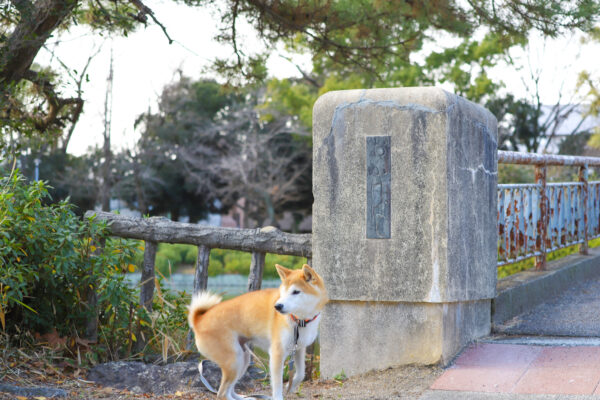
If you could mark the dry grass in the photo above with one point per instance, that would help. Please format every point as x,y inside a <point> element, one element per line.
<point>44,365</point>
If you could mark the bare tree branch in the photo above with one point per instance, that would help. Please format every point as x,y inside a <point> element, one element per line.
<point>144,11</point>
<point>78,80</point>
<point>305,76</point>
<point>54,103</point>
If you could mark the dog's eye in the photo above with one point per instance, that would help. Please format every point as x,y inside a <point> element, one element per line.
<point>296,292</point>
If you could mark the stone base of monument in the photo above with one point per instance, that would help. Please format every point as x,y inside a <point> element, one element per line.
<point>357,337</point>
<point>404,225</point>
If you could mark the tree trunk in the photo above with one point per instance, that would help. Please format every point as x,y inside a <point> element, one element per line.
<point>139,191</point>
<point>106,176</point>
<point>107,153</point>
<point>37,22</point>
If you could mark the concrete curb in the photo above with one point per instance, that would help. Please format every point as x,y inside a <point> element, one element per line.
<point>525,290</point>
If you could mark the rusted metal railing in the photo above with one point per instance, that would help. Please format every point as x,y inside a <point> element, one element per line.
<point>537,218</point>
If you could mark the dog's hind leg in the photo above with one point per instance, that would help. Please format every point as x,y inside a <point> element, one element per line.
<point>227,383</point>
<point>228,354</point>
<point>243,360</point>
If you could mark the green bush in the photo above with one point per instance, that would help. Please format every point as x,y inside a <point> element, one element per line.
<point>50,262</point>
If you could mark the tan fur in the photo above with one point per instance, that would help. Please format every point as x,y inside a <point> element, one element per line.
<point>222,329</point>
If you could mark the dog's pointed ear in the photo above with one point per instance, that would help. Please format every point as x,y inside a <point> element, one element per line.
<point>309,273</point>
<point>282,271</point>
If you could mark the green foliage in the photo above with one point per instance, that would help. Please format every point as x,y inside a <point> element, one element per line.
<point>575,145</point>
<point>529,263</point>
<point>465,65</point>
<point>69,177</point>
<point>287,96</point>
<point>511,173</point>
<point>170,172</point>
<point>167,327</point>
<point>171,257</point>
<point>50,261</point>
<point>205,149</point>
<point>53,264</point>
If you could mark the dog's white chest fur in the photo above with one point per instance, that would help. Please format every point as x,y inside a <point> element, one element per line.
<point>306,337</point>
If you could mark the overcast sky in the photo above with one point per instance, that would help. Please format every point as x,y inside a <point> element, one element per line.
<point>145,62</point>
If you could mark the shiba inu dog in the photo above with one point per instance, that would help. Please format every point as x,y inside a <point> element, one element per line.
<point>281,321</point>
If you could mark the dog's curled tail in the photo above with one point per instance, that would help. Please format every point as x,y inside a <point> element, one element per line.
<point>201,303</point>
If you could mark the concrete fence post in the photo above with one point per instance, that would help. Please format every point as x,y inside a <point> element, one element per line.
<point>404,225</point>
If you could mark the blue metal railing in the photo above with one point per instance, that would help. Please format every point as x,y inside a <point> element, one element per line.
<point>534,219</point>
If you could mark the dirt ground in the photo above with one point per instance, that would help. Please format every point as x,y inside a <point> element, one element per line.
<point>394,383</point>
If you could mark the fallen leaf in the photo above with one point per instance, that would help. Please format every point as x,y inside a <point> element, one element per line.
<point>178,393</point>
<point>52,338</point>
<point>21,398</point>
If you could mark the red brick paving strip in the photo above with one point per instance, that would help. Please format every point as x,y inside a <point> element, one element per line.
<point>506,368</point>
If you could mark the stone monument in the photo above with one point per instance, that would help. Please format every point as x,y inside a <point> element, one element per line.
<point>404,225</point>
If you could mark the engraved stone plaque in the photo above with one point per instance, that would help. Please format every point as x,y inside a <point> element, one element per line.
<point>378,187</point>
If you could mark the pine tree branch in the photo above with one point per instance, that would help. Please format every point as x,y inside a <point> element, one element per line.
<point>145,11</point>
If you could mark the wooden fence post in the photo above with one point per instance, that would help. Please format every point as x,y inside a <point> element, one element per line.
<point>147,286</point>
<point>201,271</point>
<point>200,284</point>
<point>256,271</point>
<point>147,279</point>
<point>91,329</point>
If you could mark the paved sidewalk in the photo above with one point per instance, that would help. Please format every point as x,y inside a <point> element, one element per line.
<point>447,395</point>
<point>511,370</point>
<point>574,312</point>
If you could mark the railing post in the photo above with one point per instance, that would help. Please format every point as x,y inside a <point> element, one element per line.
<point>91,329</point>
<point>256,271</point>
<point>200,282</point>
<point>147,279</point>
<point>583,178</point>
<point>201,271</point>
<point>540,179</point>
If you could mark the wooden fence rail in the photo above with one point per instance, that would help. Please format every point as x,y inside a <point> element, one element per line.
<point>162,230</point>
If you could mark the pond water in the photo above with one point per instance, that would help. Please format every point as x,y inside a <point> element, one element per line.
<point>229,285</point>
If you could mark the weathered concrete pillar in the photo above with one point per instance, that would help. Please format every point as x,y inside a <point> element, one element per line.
<point>404,225</point>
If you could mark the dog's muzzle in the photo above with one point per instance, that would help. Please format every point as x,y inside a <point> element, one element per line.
<point>279,307</point>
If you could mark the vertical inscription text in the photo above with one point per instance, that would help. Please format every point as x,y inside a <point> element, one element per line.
<point>378,187</point>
